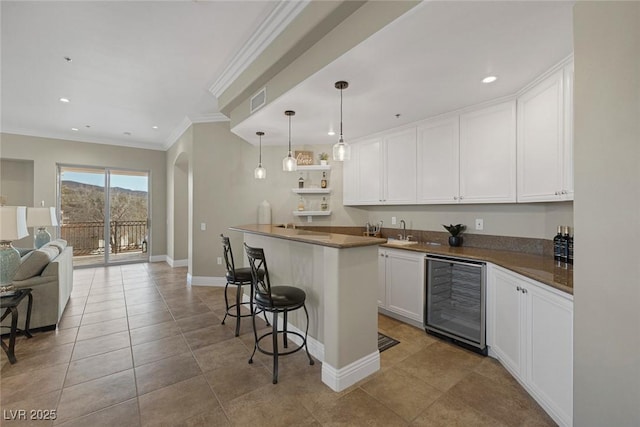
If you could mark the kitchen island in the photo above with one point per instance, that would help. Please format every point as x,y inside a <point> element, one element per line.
<point>339,274</point>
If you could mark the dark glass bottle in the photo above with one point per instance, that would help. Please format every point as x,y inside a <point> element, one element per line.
<point>570,250</point>
<point>557,245</point>
<point>565,244</point>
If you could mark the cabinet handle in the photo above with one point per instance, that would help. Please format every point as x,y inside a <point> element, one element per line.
<point>461,197</point>
<point>382,255</point>
<point>524,291</point>
<point>564,191</point>
<point>455,197</point>
<point>386,256</point>
<point>518,288</point>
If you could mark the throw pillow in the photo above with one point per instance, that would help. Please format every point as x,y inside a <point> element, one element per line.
<point>33,263</point>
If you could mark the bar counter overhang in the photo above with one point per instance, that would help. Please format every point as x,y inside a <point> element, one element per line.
<point>339,274</point>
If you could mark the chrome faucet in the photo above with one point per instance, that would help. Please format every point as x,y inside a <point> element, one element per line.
<point>404,230</point>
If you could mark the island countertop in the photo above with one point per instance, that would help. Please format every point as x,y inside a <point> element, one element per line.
<point>332,240</point>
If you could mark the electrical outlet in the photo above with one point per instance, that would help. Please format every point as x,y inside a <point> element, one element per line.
<point>479,224</point>
<point>203,226</point>
<point>393,220</point>
<point>219,260</point>
<point>309,218</point>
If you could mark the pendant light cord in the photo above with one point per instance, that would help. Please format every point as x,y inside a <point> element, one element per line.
<point>341,139</point>
<point>260,160</point>
<point>289,136</point>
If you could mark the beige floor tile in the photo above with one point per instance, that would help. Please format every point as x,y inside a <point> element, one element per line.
<point>207,336</point>
<point>142,297</point>
<point>161,373</point>
<point>42,340</point>
<point>105,292</point>
<point>449,411</point>
<point>99,345</point>
<point>504,403</point>
<point>67,322</point>
<point>146,307</point>
<point>404,394</point>
<point>13,415</point>
<point>192,309</point>
<point>121,414</point>
<point>130,284</point>
<point>175,403</point>
<point>103,328</point>
<point>103,316</point>
<point>39,359</point>
<point>237,378</point>
<point>212,417</point>
<point>492,369</point>
<point>159,349</point>
<point>32,383</point>
<point>146,319</point>
<point>441,365</point>
<point>98,366</point>
<point>198,321</point>
<point>357,408</point>
<point>154,332</point>
<point>220,354</point>
<point>91,396</point>
<point>102,306</point>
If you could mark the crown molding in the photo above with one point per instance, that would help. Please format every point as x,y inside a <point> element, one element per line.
<point>177,132</point>
<point>269,29</point>
<point>83,138</point>
<point>209,118</point>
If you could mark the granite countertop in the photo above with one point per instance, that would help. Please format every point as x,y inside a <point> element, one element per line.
<point>333,240</point>
<point>537,267</point>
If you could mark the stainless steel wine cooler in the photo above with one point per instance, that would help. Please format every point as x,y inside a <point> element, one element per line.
<point>455,306</point>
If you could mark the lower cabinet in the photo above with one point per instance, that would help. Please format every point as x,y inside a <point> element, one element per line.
<point>530,330</point>
<point>401,283</point>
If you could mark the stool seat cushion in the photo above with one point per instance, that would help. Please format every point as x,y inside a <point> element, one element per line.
<point>242,275</point>
<point>282,296</point>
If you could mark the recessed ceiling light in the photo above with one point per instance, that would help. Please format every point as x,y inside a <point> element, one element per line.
<point>74,129</point>
<point>331,133</point>
<point>127,133</point>
<point>154,127</point>
<point>87,126</point>
<point>66,58</point>
<point>65,100</point>
<point>489,79</point>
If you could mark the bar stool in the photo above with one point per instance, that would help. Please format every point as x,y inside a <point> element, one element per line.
<point>275,300</point>
<point>238,277</point>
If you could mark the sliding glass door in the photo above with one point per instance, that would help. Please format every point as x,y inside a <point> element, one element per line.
<point>104,214</point>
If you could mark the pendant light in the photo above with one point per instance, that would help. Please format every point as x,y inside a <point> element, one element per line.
<point>341,150</point>
<point>289,163</point>
<point>260,172</point>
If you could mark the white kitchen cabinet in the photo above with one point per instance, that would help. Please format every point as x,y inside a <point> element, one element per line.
<point>438,161</point>
<point>545,171</point>
<point>382,170</point>
<point>530,330</point>
<point>488,154</point>
<point>401,283</point>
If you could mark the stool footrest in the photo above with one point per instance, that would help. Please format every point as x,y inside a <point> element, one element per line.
<point>281,353</point>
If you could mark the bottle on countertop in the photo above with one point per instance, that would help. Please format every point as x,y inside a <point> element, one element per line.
<point>570,249</point>
<point>323,181</point>
<point>557,245</point>
<point>564,257</point>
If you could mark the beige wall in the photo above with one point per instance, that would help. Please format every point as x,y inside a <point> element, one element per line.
<point>46,153</point>
<point>607,213</point>
<point>16,184</point>
<point>179,197</point>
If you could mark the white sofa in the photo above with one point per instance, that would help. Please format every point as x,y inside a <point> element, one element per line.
<point>48,271</point>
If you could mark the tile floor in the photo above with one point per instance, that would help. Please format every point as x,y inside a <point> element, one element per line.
<point>137,346</point>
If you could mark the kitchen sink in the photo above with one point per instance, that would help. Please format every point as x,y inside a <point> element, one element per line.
<point>398,242</point>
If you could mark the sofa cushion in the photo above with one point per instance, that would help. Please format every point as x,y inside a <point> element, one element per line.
<point>58,243</point>
<point>34,262</point>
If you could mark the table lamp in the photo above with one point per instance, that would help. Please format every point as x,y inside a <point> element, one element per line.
<point>13,226</point>
<point>41,218</point>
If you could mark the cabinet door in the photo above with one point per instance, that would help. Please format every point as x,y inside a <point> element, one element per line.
<point>382,278</point>
<point>369,181</point>
<point>400,167</point>
<point>405,284</point>
<point>567,176</point>
<point>505,322</point>
<point>550,350</point>
<point>350,178</point>
<point>438,161</point>
<point>488,155</point>
<point>540,141</point>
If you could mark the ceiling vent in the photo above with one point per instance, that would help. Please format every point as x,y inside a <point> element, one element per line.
<point>258,100</point>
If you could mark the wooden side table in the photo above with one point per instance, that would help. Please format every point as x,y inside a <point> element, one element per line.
<point>10,303</point>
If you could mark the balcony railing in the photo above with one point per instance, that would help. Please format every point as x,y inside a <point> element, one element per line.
<point>87,238</point>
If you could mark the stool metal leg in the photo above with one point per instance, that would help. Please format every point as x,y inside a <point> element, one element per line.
<point>255,333</point>
<point>284,329</point>
<point>238,293</point>
<point>226,303</point>
<point>275,346</point>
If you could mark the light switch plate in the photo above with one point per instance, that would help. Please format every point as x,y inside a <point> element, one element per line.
<point>479,224</point>
<point>203,226</point>
<point>393,220</point>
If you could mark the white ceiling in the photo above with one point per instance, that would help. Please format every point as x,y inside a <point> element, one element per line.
<point>429,61</point>
<point>135,65</point>
<point>142,64</point>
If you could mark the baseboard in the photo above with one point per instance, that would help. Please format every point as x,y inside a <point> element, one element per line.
<point>205,280</point>
<point>159,258</point>
<point>340,379</point>
<point>177,262</point>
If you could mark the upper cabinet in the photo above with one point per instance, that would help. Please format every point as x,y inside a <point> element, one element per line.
<point>382,170</point>
<point>438,161</point>
<point>545,139</point>
<point>488,155</point>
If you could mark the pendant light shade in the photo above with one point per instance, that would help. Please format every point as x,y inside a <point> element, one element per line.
<point>260,172</point>
<point>289,163</point>
<point>341,150</point>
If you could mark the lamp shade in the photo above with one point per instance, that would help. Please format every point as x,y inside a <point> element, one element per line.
<point>13,223</point>
<point>41,217</point>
